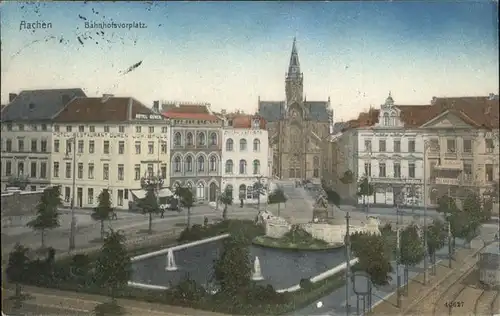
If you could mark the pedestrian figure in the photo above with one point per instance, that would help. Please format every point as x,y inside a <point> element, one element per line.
<point>162,212</point>
<point>242,197</point>
<point>114,216</point>
<point>205,221</point>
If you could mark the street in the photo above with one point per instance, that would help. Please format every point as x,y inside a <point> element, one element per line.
<point>88,231</point>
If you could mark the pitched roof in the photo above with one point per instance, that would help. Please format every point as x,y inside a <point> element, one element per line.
<point>190,112</point>
<point>245,121</point>
<point>107,109</point>
<point>318,110</point>
<point>272,111</point>
<point>33,105</point>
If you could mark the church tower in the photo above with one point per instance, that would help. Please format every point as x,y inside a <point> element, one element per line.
<point>294,86</point>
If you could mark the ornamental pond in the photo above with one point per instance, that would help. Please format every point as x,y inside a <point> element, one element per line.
<point>280,268</point>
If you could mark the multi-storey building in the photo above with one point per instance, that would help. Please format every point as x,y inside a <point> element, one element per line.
<point>107,143</point>
<point>245,156</point>
<point>195,143</point>
<point>462,146</point>
<point>26,138</point>
<point>390,155</point>
<point>452,143</point>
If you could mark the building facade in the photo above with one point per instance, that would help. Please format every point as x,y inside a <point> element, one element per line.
<point>195,143</point>
<point>462,154</point>
<point>245,156</point>
<point>390,154</point>
<point>107,143</point>
<point>26,138</point>
<point>296,127</point>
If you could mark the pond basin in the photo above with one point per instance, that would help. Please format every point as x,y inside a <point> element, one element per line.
<point>280,268</point>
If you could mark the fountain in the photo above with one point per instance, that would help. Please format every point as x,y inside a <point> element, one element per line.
<point>170,261</point>
<point>257,273</point>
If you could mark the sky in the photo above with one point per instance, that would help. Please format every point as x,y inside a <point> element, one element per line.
<point>230,53</point>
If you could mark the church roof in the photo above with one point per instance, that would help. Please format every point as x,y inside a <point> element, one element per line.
<point>272,111</point>
<point>318,110</point>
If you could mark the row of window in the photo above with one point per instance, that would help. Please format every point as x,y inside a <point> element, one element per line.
<point>382,146</point>
<point>34,172</point>
<point>82,128</point>
<point>242,167</point>
<point>382,170</point>
<point>200,164</point>
<point>296,173</point>
<point>106,147</point>
<point>243,145</point>
<point>201,139</point>
<point>451,145</point>
<point>21,146</point>
<point>105,171</point>
<point>244,192</point>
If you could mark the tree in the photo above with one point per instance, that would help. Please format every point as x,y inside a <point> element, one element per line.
<point>258,190</point>
<point>365,188</point>
<point>187,200</point>
<point>20,182</point>
<point>47,212</point>
<point>411,250</point>
<point>149,205</point>
<point>232,270</point>
<point>374,256</point>
<point>226,198</point>
<point>103,210</point>
<point>113,266</point>
<point>446,205</point>
<point>277,197</point>
<point>16,267</point>
<point>436,238</point>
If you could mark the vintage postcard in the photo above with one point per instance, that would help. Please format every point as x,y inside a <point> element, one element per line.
<point>250,157</point>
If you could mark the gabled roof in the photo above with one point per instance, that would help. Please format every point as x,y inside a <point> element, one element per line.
<point>106,109</point>
<point>245,121</point>
<point>318,110</point>
<point>190,112</point>
<point>34,105</point>
<point>272,111</point>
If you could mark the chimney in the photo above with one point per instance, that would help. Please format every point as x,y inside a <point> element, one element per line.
<point>105,97</point>
<point>12,96</point>
<point>223,112</point>
<point>156,106</point>
<point>129,108</point>
<point>65,99</point>
<point>492,96</point>
<point>433,101</point>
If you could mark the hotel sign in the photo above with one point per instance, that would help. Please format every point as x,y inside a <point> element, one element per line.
<point>148,117</point>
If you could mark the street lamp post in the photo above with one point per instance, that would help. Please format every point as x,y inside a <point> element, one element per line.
<point>426,146</point>
<point>72,232</point>
<point>398,254</point>
<point>348,264</point>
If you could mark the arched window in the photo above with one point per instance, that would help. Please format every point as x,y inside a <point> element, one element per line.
<point>256,166</point>
<point>178,139</point>
<point>250,192</point>
<point>189,139</point>
<point>386,119</point>
<point>213,163</point>
<point>243,166</point>
<point>213,139</point>
<point>256,145</point>
<point>188,164</point>
<point>189,185</point>
<point>201,139</point>
<point>316,167</point>
<point>393,118</point>
<point>243,144</point>
<point>229,166</point>
<point>200,191</point>
<point>201,163</point>
<point>229,144</point>
<point>177,164</point>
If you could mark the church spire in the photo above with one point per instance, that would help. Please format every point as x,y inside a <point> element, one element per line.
<point>294,65</point>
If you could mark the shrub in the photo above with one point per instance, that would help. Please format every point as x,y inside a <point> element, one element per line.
<point>305,283</point>
<point>188,290</point>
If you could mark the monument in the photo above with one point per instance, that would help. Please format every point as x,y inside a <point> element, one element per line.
<point>257,273</point>
<point>171,266</point>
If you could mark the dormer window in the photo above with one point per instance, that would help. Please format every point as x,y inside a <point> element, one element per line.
<point>256,123</point>
<point>386,119</point>
<point>31,106</point>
